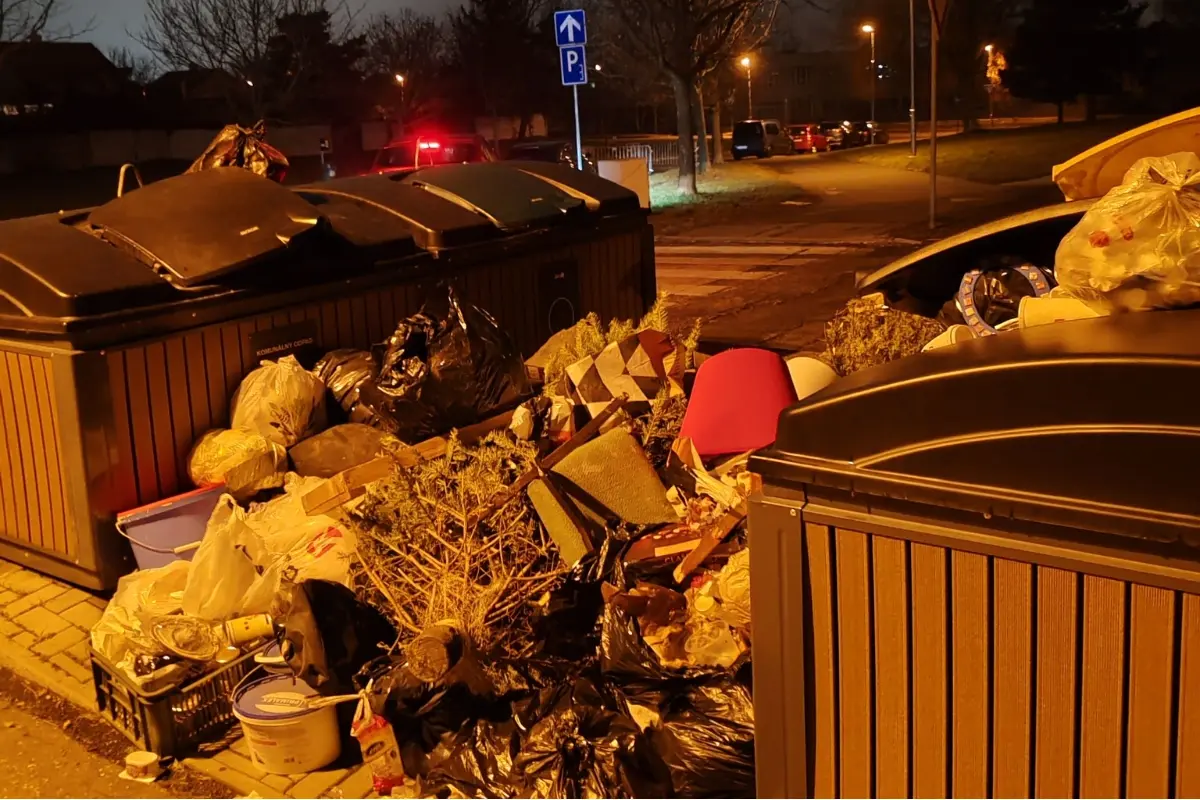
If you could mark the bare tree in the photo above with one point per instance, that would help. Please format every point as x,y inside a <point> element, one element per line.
<point>411,50</point>
<point>687,40</point>
<point>25,20</point>
<point>142,69</point>
<point>237,37</point>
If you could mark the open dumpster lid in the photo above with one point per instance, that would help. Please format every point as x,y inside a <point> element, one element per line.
<point>511,198</point>
<point>1094,172</point>
<point>924,280</point>
<point>198,226</point>
<point>432,222</point>
<point>1091,424</point>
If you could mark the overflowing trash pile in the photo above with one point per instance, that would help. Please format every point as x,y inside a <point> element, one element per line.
<point>495,576</point>
<point>1135,249</point>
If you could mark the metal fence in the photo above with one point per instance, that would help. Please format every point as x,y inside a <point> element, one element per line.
<point>659,154</point>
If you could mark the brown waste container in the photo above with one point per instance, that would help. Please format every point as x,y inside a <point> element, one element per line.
<point>125,329</point>
<point>976,572</point>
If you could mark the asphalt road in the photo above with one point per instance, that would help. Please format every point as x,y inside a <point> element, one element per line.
<point>822,221</point>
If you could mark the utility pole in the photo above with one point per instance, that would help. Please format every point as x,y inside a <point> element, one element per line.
<point>912,77</point>
<point>933,119</point>
<point>870,31</point>
<point>749,89</point>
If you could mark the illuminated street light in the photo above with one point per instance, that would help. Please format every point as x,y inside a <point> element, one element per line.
<point>250,83</point>
<point>749,89</point>
<point>989,48</point>
<point>399,79</point>
<point>599,68</point>
<point>870,31</point>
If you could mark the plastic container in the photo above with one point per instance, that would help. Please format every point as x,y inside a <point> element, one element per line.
<point>284,735</point>
<point>170,529</point>
<point>171,722</point>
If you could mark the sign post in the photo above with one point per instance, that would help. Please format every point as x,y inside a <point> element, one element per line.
<point>570,34</point>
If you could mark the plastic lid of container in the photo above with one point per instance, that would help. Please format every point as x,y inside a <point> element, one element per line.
<point>272,698</point>
<point>1096,418</point>
<point>167,504</point>
<point>52,269</point>
<point>432,222</point>
<point>924,280</point>
<point>199,226</point>
<point>598,194</point>
<point>510,197</point>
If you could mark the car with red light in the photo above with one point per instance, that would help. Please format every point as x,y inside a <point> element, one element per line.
<point>808,138</point>
<point>416,152</point>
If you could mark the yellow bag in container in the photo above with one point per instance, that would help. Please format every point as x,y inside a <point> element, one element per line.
<point>1138,247</point>
<point>245,462</point>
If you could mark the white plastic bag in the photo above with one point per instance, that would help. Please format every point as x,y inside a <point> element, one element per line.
<point>281,401</point>
<point>1138,247</point>
<point>246,463</point>
<point>149,592</point>
<point>223,568</point>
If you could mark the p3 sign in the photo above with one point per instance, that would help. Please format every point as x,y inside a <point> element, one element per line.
<point>573,61</point>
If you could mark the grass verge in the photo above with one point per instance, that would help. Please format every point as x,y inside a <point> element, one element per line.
<point>997,156</point>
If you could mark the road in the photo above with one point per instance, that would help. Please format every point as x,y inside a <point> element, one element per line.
<point>772,269</point>
<point>51,748</point>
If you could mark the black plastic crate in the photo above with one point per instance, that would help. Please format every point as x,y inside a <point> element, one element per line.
<point>173,721</point>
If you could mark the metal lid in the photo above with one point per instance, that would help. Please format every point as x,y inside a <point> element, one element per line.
<point>274,697</point>
<point>1093,423</point>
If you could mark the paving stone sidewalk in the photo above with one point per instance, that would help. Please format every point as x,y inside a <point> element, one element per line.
<point>44,632</point>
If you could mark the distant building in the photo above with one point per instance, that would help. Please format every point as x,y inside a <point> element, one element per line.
<point>64,80</point>
<point>195,96</point>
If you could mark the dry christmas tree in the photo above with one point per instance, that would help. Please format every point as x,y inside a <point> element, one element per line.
<point>866,333</point>
<point>438,546</point>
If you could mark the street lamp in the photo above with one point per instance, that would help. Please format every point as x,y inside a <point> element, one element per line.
<point>599,68</point>
<point>870,30</point>
<point>749,89</point>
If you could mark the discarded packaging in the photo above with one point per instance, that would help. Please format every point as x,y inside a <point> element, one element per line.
<point>638,368</point>
<point>336,450</point>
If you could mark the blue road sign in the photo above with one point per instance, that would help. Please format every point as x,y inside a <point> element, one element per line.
<point>570,27</point>
<point>573,61</point>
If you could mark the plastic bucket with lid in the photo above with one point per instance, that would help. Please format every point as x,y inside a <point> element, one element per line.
<point>285,735</point>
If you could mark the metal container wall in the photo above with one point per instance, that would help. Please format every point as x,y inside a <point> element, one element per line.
<point>99,418</point>
<point>935,617</point>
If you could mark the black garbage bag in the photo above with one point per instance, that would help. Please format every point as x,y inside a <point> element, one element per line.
<point>332,635</point>
<point>706,739</point>
<point>344,373</point>
<point>247,148</point>
<point>336,449</point>
<point>581,746</point>
<point>447,366</point>
<point>479,762</point>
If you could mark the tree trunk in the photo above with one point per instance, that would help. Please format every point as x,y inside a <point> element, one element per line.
<point>718,146</point>
<point>1089,104</point>
<point>683,118</point>
<point>701,131</point>
<point>1061,114</point>
<point>654,112</point>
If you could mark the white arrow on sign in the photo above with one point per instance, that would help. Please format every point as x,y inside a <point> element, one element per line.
<point>570,26</point>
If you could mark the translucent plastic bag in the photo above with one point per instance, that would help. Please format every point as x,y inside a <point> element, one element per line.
<point>245,462</point>
<point>223,568</point>
<point>281,401</point>
<point>1138,247</point>
<point>145,592</point>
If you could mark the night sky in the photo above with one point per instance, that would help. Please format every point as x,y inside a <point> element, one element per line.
<point>113,18</point>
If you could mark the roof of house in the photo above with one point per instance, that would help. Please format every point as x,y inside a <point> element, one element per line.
<point>57,67</point>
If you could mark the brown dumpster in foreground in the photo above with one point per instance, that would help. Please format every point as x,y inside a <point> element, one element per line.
<point>976,572</point>
<point>124,330</point>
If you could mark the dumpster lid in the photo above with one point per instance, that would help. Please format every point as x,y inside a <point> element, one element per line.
<point>1094,172</point>
<point>922,281</point>
<point>52,269</point>
<point>598,194</point>
<point>510,197</point>
<point>433,222</point>
<point>1093,418</point>
<point>198,226</point>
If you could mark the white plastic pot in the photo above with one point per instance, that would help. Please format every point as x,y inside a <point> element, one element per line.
<point>284,734</point>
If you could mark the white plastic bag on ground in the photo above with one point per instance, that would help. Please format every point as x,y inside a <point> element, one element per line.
<point>1138,247</point>
<point>280,400</point>
<point>246,463</point>
<point>149,592</point>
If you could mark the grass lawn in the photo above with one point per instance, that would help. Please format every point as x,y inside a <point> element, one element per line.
<point>998,156</point>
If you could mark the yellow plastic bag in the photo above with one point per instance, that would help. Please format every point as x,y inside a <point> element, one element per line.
<point>1138,247</point>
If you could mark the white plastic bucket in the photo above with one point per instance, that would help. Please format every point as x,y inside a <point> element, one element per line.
<point>951,336</point>
<point>285,736</point>
<point>1035,311</point>
<point>809,375</point>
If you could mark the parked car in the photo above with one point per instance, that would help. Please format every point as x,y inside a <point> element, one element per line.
<point>857,134</point>
<point>808,138</point>
<point>414,152</point>
<point>879,134</point>
<point>835,134</point>
<point>762,138</point>
<point>555,151</point>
